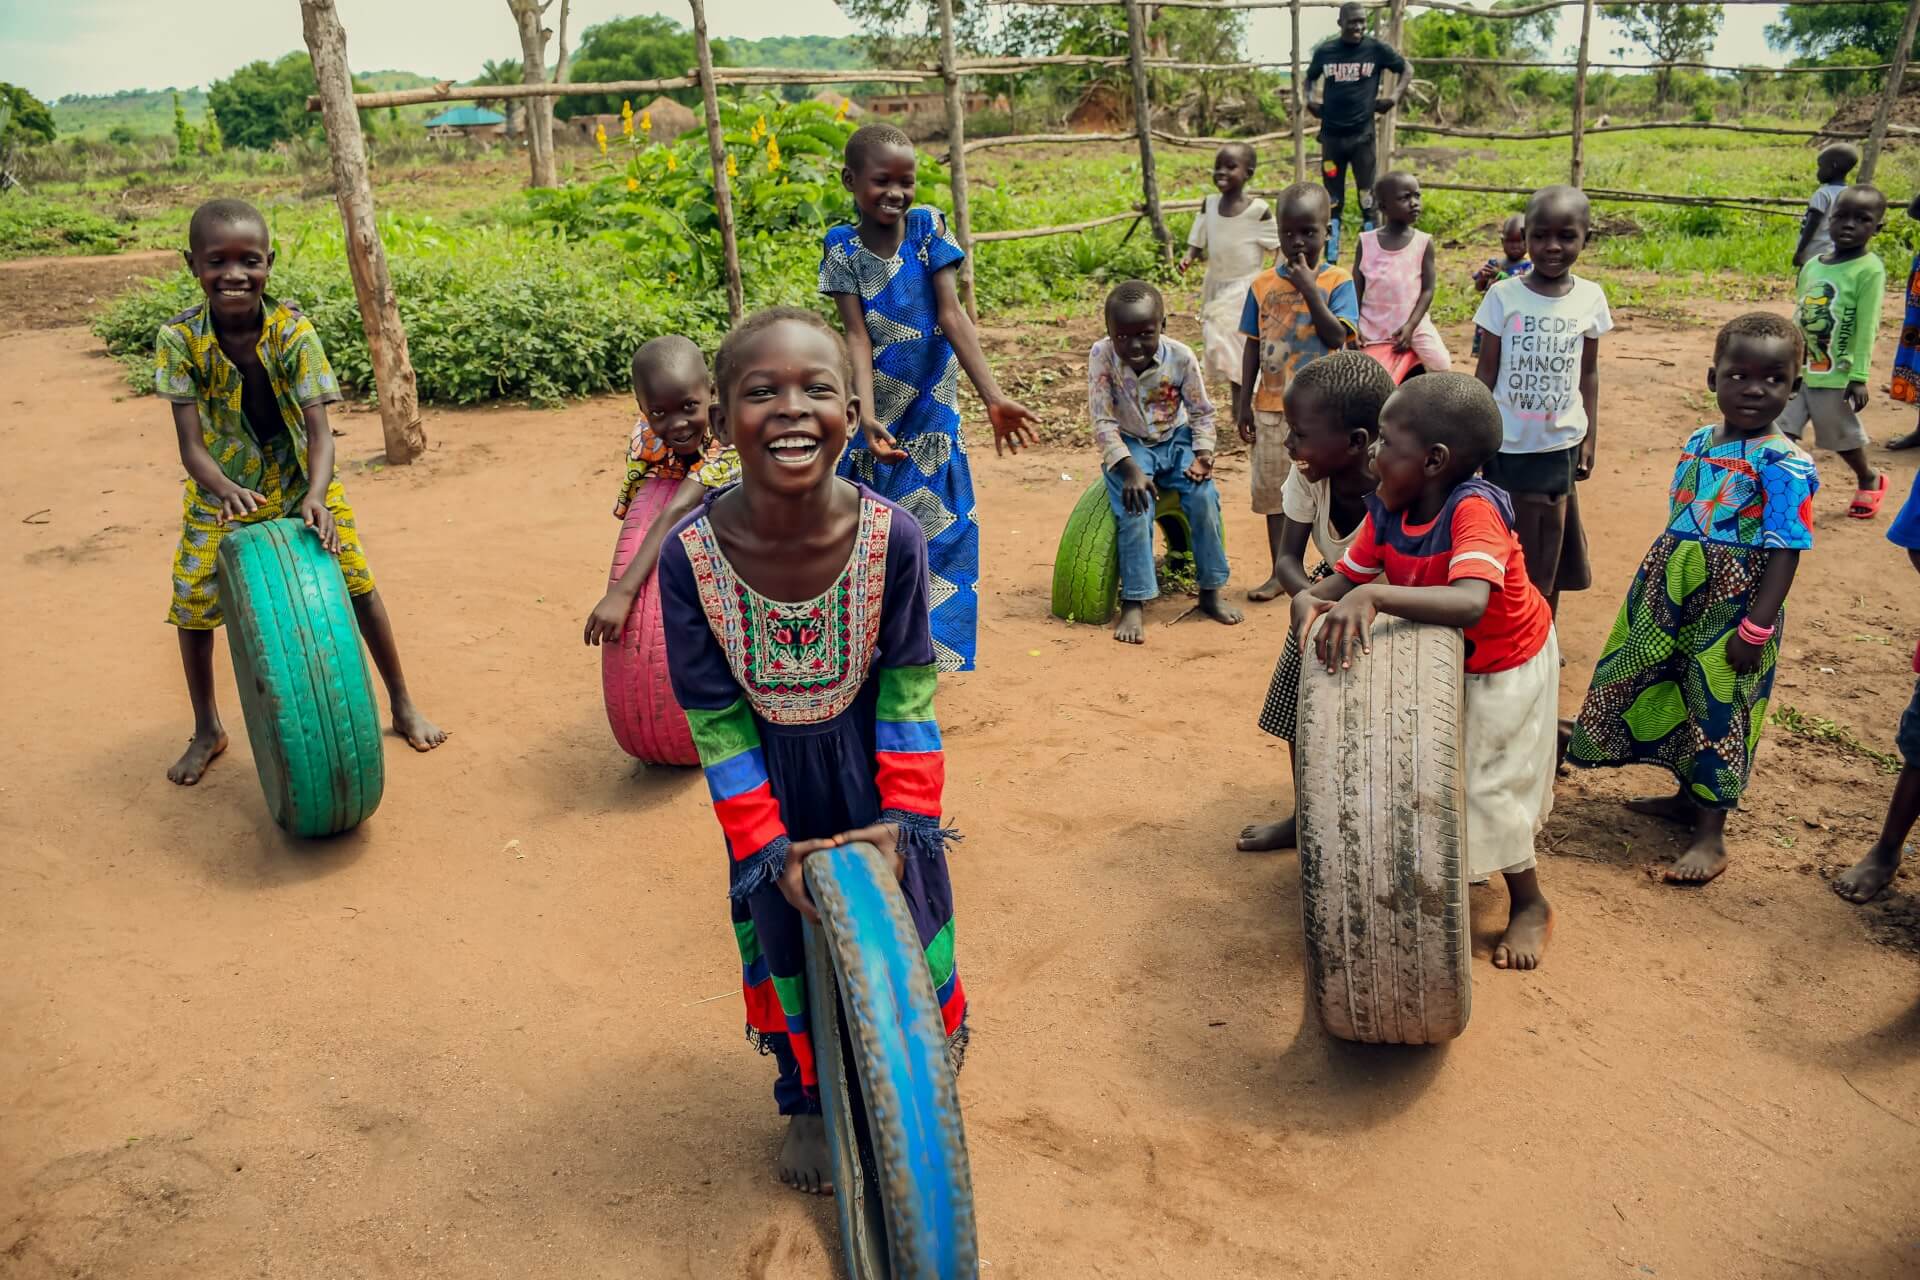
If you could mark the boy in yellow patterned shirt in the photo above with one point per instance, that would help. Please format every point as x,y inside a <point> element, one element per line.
<point>249,384</point>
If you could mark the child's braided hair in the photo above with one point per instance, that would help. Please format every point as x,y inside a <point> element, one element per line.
<point>1351,383</point>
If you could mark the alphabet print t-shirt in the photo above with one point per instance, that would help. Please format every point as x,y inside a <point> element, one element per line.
<point>1542,340</point>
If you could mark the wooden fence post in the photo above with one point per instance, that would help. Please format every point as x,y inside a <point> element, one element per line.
<point>1877,135</point>
<point>1298,91</point>
<point>366,257</point>
<point>1577,168</point>
<point>1143,124</point>
<point>957,154</point>
<point>1389,126</point>
<point>717,154</point>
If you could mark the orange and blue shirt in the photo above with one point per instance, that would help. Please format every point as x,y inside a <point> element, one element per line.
<point>1471,538</point>
<point>1276,315</point>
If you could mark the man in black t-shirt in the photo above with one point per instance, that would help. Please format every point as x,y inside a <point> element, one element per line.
<point>1353,65</point>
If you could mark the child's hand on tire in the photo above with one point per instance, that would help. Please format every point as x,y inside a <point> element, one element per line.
<point>314,514</point>
<point>239,502</point>
<point>1349,630</point>
<point>883,836</point>
<point>608,619</point>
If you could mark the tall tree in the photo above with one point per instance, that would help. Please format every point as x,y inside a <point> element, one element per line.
<point>644,48</point>
<point>1475,92</point>
<point>266,102</point>
<point>1669,32</point>
<point>527,18</point>
<point>27,118</point>
<point>1818,32</point>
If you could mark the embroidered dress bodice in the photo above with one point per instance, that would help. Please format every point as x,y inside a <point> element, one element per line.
<point>798,662</point>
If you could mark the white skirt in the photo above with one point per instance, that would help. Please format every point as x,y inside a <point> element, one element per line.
<point>1222,343</point>
<point>1513,739</point>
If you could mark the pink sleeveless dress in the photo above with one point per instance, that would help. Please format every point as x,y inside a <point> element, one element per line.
<point>1393,286</point>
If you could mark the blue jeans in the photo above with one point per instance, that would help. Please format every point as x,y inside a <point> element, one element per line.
<point>1166,465</point>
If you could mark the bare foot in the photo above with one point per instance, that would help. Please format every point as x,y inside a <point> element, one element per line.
<point>1673,808</point>
<point>1132,628</point>
<point>1266,837</point>
<point>804,1164</point>
<point>193,762</point>
<point>1864,880</point>
<point>1525,940</point>
<point>1268,590</point>
<point>421,733</point>
<point>1703,862</point>
<point>1219,610</point>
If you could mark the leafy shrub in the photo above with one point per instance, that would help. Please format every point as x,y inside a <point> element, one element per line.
<point>489,314</point>
<point>30,226</point>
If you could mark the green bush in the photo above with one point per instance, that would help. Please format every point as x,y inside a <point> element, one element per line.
<point>30,227</point>
<point>490,315</point>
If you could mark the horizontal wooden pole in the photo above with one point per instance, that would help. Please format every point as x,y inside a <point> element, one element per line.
<point>1031,139</point>
<point>1450,131</point>
<point>1197,140</point>
<point>447,91</point>
<point>1065,228</point>
<point>1650,66</point>
<point>1788,206</point>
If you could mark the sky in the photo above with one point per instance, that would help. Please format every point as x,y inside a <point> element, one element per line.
<point>56,47</point>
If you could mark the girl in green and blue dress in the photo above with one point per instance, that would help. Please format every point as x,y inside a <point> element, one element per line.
<point>1688,668</point>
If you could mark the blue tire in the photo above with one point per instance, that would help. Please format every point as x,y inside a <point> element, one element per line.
<point>900,1173</point>
<point>311,718</point>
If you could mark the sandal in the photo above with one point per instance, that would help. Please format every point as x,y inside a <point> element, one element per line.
<point>1866,502</point>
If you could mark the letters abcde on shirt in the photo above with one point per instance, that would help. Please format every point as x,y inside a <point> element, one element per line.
<point>1542,350</point>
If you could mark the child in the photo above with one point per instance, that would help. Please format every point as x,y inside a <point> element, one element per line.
<point>1540,356</point>
<point>1153,424</point>
<point>1687,670</point>
<point>250,384</point>
<point>1293,315</point>
<point>1512,262</point>
<point>1333,415</point>
<point>795,606</point>
<point>673,440</point>
<point>1906,360</point>
<point>1864,880</point>
<point>1394,278</point>
<point>1831,167</point>
<point>1839,313</point>
<point>1438,546</point>
<point>893,277</point>
<point>1234,232</point>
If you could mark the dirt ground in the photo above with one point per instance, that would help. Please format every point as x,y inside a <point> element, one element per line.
<point>496,1030</point>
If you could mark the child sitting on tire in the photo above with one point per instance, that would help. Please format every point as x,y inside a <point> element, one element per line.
<point>1154,427</point>
<point>1333,417</point>
<point>673,440</point>
<point>249,384</point>
<point>1438,546</point>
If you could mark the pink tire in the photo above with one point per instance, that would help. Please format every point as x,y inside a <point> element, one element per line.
<point>646,721</point>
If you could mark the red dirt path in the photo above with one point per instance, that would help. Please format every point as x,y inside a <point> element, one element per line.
<point>495,1030</point>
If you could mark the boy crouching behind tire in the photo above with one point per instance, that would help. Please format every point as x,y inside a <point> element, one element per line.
<point>249,384</point>
<point>1438,547</point>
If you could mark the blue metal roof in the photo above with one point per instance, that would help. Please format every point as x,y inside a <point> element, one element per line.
<point>459,117</point>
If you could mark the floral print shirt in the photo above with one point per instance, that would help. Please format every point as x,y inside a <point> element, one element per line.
<point>647,454</point>
<point>1148,406</point>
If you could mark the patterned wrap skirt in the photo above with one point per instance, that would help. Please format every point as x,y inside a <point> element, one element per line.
<point>1280,715</point>
<point>1663,692</point>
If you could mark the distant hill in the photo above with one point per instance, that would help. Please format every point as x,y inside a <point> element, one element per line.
<point>91,115</point>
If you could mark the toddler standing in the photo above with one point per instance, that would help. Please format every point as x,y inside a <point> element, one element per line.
<point>1831,168</point>
<point>893,276</point>
<point>1394,279</point>
<point>1839,314</point>
<point>1234,232</point>
<point>1511,262</point>
<point>1293,315</point>
<point>1540,356</point>
<point>1687,670</point>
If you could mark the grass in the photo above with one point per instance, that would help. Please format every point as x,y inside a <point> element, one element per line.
<point>1820,729</point>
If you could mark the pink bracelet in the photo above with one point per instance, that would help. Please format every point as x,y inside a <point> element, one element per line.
<point>1753,633</point>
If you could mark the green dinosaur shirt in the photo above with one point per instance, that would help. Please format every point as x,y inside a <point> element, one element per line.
<point>1838,310</point>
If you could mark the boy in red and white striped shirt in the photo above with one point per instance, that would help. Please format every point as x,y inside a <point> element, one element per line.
<point>1438,546</point>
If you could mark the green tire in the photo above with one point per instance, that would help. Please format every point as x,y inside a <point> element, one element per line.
<point>311,718</point>
<point>1086,568</point>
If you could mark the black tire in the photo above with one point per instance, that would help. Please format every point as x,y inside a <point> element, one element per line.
<point>311,718</point>
<point>1383,838</point>
<point>900,1173</point>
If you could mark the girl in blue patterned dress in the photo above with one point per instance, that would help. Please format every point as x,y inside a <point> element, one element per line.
<point>1688,668</point>
<point>894,276</point>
